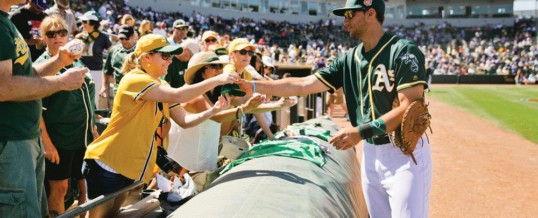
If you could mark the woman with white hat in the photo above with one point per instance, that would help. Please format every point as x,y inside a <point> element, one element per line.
<point>126,150</point>
<point>96,42</point>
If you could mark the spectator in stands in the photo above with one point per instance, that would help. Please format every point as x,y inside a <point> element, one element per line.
<point>61,7</point>
<point>209,38</point>
<point>27,20</point>
<point>179,33</point>
<point>22,85</point>
<point>144,104</point>
<point>96,44</point>
<point>146,27</point>
<point>112,73</point>
<point>268,67</point>
<point>160,29</point>
<point>176,70</point>
<point>67,124</point>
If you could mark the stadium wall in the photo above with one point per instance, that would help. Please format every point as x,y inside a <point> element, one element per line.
<point>473,79</point>
<point>394,16</point>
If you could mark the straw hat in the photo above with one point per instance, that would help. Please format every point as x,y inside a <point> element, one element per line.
<point>239,44</point>
<point>198,61</point>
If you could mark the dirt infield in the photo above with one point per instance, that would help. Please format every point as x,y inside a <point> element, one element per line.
<point>479,170</point>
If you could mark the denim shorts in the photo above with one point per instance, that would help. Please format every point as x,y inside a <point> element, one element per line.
<point>102,182</point>
<point>22,174</point>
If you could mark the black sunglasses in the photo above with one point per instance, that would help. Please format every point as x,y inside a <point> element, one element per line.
<point>164,56</point>
<point>52,34</point>
<point>183,28</point>
<point>244,52</point>
<point>215,66</point>
<point>210,40</point>
<point>124,39</point>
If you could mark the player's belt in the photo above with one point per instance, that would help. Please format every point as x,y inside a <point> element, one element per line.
<point>379,140</point>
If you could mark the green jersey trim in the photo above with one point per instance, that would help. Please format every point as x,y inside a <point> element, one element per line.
<point>325,82</point>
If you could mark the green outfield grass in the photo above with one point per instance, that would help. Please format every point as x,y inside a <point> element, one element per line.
<point>508,107</point>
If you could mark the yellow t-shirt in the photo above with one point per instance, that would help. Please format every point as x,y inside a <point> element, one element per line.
<point>230,68</point>
<point>128,144</point>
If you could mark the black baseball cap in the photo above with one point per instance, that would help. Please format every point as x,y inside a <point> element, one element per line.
<point>125,31</point>
<point>377,5</point>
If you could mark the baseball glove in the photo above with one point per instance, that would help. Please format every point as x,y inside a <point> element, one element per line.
<point>415,121</point>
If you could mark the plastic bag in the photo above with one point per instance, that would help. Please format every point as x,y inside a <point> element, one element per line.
<point>195,148</point>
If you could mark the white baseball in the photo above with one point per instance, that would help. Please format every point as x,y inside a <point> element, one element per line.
<point>75,46</point>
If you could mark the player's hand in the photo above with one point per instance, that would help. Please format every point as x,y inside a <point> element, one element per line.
<point>72,78</point>
<point>246,86</point>
<point>51,153</point>
<point>346,138</point>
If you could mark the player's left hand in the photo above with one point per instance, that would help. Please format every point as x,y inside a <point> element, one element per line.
<point>346,138</point>
<point>245,86</point>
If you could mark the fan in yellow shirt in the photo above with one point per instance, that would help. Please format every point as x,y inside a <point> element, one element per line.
<point>126,150</point>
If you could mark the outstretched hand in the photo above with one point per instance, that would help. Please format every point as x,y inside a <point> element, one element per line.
<point>246,86</point>
<point>226,78</point>
<point>346,138</point>
<point>253,103</point>
<point>222,104</point>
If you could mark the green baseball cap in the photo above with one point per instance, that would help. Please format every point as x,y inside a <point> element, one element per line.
<point>377,5</point>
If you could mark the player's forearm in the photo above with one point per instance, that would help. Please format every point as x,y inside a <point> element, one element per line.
<point>19,88</point>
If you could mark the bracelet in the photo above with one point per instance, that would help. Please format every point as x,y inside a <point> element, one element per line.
<point>373,128</point>
<point>253,86</point>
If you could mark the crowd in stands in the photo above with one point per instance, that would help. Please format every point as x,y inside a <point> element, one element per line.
<point>492,50</point>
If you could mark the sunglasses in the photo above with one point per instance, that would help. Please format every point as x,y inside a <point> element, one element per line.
<point>124,39</point>
<point>184,28</point>
<point>215,66</point>
<point>210,40</point>
<point>85,21</point>
<point>164,56</point>
<point>52,34</point>
<point>349,14</point>
<point>245,52</point>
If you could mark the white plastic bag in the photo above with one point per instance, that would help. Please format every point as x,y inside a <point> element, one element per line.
<point>195,148</point>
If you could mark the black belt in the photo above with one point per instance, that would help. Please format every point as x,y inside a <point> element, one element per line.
<point>379,140</point>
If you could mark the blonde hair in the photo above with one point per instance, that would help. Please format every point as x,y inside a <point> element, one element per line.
<point>130,63</point>
<point>52,22</point>
<point>128,17</point>
<point>145,28</point>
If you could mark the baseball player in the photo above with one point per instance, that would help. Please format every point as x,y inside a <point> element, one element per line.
<point>373,74</point>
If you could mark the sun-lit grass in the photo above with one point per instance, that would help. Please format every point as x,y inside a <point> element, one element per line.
<point>509,107</point>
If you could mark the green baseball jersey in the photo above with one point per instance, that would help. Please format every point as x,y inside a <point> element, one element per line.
<point>114,62</point>
<point>371,80</point>
<point>69,115</point>
<point>18,120</point>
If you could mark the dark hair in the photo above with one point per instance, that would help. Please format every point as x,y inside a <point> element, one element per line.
<point>95,25</point>
<point>198,76</point>
<point>255,57</point>
<point>380,17</point>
